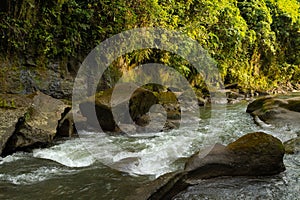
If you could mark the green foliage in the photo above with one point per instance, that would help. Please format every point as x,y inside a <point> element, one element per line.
<point>256,43</point>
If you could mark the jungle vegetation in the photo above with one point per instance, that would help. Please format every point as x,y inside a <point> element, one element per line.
<point>256,43</point>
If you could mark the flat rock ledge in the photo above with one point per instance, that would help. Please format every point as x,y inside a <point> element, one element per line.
<point>254,154</point>
<point>276,111</point>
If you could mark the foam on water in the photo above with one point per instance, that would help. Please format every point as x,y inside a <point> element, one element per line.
<point>13,157</point>
<point>37,175</point>
<point>70,153</point>
<point>152,156</point>
<point>139,155</point>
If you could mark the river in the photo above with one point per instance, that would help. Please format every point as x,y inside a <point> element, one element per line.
<point>79,168</point>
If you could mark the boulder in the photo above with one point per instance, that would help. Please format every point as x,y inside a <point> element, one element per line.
<point>16,106</point>
<point>278,112</point>
<point>139,104</point>
<point>255,154</point>
<point>292,146</point>
<point>38,126</point>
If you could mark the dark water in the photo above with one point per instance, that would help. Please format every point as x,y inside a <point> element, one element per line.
<point>78,168</point>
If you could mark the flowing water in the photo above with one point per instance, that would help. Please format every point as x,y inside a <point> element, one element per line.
<point>98,166</point>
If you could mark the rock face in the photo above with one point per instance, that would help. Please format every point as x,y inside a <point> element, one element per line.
<point>53,79</point>
<point>255,154</point>
<point>36,125</point>
<point>139,104</point>
<point>277,111</point>
<point>9,116</point>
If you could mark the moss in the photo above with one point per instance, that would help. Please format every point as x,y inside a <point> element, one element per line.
<point>7,104</point>
<point>166,97</point>
<point>13,104</point>
<point>28,114</point>
<point>257,142</point>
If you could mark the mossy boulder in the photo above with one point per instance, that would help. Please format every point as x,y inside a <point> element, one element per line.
<point>276,111</point>
<point>255,154</point>
<point>251,155</point>
<point>138,103</point>
<point>167,97</point>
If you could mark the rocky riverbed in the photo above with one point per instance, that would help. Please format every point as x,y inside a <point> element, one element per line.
<point>34,121</point>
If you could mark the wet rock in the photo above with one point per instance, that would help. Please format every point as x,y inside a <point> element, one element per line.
<point>255,154</point>
<point>170,103</point>
<point>66,126</point>
<point>159,122</point>
<point>139,104</point>
<point>279,112</point>
<point>201,101</point>
<point>258,103</point>
<point>125,164</point>
<point>215,156</point>
<point>164,187</point>
<point>292,146</point>
<point>127,128</point>
<point>234,96</point>
<point>38,126</point>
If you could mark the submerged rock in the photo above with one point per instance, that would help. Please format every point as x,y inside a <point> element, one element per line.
<point>277,111</point>
<point>37,125</point>
<point>255,154</point>
<point>292,146</point>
